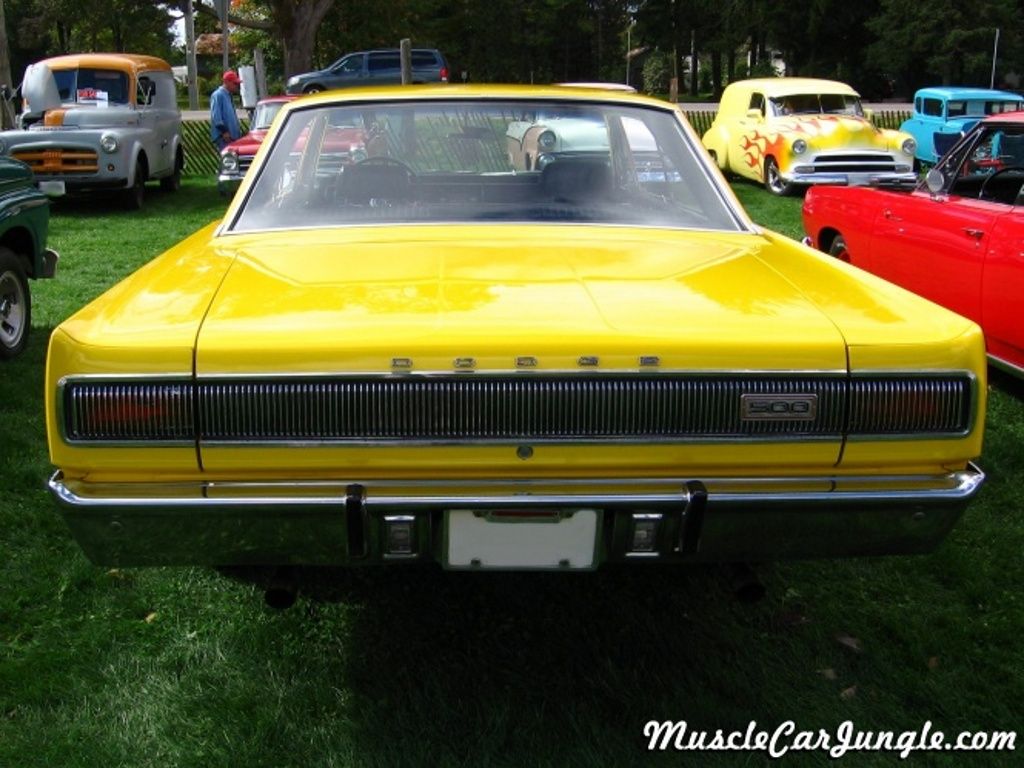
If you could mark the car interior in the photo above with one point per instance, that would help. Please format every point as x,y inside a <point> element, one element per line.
<point>991,168</point>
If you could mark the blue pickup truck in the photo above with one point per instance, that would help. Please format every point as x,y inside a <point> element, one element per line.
<point>943,114</point>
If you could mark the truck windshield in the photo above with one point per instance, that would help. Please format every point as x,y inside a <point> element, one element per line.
<point>92,86</point>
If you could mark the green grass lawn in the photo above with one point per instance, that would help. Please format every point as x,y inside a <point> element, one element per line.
<point>185,666</point>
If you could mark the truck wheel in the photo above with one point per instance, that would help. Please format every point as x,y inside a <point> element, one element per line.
<point>172,183</point>
<point>15,305</point>
<point>135,195</point>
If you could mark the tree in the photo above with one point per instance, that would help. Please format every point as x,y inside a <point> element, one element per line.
<point>294,21</point>
<point>949,41</point>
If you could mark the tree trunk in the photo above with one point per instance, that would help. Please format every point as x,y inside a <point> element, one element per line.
<point>297,23</point>
<point>294,21</point>
<point>6,113</point>
<point>694,66</point>
<point>716,73</point>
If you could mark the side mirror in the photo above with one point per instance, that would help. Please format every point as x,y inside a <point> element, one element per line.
<point>935,181</point>
<point>753,114</point>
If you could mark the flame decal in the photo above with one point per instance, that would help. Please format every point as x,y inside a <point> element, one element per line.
<point>776,139</point>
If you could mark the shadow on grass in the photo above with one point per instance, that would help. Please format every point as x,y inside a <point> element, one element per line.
<point>196,193</point>
<point>454,668</point>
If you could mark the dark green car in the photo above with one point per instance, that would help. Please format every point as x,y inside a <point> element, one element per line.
<point>24,219</point>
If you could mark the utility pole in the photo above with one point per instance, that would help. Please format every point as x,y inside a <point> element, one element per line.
<point>190,57</point>
<point>222,11</point>
<point>995,54</point>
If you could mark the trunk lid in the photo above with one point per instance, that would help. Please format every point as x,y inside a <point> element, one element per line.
<point>354,300</point>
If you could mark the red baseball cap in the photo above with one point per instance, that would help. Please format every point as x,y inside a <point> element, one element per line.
<point>232,77</point>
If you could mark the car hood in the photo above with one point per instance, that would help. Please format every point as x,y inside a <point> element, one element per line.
<point>39,89</point>
<point>248,144</point>
<point>962,124</point>
<point>833,130</point>
<point>354,300</point>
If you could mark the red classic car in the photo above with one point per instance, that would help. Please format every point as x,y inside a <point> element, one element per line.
<point>237,156</point>
<point>345,143</point>
<point>957,239</point>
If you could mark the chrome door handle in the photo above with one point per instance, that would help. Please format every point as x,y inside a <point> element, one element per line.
<point>977,234</point>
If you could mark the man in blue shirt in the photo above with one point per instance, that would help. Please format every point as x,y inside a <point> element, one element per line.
<point>224,126</point>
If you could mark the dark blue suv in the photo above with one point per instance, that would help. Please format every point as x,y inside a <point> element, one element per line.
<point>379,67</point>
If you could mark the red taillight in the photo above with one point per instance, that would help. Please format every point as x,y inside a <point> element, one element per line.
<point>444,74</point>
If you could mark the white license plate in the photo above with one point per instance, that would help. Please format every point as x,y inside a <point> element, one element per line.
<point>522,540</point>
<point>52,188</point>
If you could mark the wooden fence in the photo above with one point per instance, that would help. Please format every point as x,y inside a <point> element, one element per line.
<point>201,158</point>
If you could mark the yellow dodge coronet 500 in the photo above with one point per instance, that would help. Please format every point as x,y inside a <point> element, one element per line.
<point>430,355</point>
<point>787,132</point>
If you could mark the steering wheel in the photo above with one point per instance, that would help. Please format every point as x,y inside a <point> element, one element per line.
<point>386,160</point>
<point>1000,172</point>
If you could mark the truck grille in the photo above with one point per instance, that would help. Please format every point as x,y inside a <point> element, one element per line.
<point>505,408</point>
<point>62,161</point>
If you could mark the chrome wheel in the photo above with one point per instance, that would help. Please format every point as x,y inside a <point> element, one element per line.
<point>14,306</point>
<point>773,180</point>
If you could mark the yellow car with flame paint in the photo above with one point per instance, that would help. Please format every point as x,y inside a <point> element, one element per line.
<point>432,355</point>
<point>788,132</point>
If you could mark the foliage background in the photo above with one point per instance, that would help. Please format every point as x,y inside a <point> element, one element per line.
<point>884,48</point>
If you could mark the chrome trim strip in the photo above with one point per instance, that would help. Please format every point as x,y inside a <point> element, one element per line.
<point>644,493</point>
<point>1005,366</point>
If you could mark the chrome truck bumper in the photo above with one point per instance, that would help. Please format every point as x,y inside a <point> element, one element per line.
<point>714,519</point>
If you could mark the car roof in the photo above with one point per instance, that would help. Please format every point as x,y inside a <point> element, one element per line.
<point>489,92</point>
<point>785,86</point>
<point>956,92</point>
<point>390,50</point>
<point>126,62</point>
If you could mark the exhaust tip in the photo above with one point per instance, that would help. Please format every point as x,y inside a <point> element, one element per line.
<point>280,598</point>
<point>282,591</point>
<point>746,587</point>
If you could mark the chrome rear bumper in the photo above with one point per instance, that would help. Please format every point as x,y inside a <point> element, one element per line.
<point>343,523</point>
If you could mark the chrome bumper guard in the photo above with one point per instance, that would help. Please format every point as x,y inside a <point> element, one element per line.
<point>714,519</point>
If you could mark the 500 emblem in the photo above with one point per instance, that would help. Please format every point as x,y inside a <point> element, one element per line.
<point>778,407</point>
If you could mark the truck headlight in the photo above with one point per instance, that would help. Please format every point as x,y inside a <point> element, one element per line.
<point>799,147</point>
<point>109,143</point>
<point>229,162</point>
<point>909,146</point>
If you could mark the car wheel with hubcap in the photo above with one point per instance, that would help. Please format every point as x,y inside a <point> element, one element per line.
<point>773,180</point>
<point>15,305</point>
